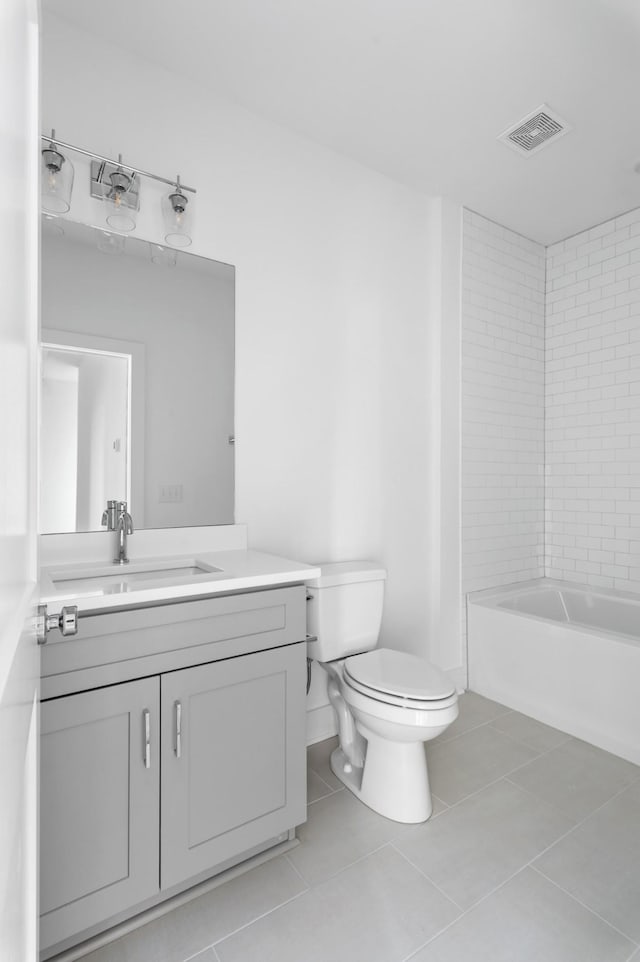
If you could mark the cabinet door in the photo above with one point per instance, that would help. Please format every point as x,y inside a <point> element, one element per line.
<point>99,805</point>
<point>233,758</point>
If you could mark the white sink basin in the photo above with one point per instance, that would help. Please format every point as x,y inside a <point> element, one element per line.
<point>114,578</point>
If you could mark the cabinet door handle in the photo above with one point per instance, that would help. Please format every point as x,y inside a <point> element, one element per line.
<point>178,745</point>
<point>146,714</point>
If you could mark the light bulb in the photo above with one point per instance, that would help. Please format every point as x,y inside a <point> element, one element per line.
<point>121,216</point>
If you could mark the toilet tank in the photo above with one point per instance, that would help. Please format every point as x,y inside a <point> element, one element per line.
<point>344,609</point>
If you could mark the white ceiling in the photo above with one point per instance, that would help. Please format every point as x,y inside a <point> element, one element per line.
<point>420,89</point>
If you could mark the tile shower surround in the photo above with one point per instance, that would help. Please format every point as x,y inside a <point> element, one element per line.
<point>551,386</point>
<point>503,283</point>
<point>592,395</point>
<point>533,852</point>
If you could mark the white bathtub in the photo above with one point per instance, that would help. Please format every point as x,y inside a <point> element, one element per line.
<point>566,655</point>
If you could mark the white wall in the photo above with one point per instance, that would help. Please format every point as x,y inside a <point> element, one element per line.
<point>593,406</point>
<point>334,314</point>
<point>503,284</point>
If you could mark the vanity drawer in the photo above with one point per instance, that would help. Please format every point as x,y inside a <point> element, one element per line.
<point>116,646</point>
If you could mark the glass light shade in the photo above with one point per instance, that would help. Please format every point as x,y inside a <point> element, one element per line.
<point>110,243</point>
<point>162,256</point>
<point>119,215</point>
<point>177,218</point>
<point>57,181</point>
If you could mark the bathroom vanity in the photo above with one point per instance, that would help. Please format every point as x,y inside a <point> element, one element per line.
<point>172,731</point>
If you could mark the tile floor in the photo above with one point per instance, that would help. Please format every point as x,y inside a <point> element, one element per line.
<point>532,855</point>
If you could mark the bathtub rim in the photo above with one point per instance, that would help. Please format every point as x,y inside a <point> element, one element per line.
<point>491,598</point>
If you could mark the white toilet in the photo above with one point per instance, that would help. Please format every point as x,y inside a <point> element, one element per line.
<point>387,702</point>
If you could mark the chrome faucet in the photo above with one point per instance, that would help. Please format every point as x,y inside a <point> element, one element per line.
<point>117,518</point>
<point>124,527</point>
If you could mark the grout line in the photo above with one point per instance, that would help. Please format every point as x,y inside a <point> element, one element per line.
<point>295,869</point>
<point>477,791</point>
<point>474,728</point>
<point>332,791</point>
<point>428,879</point>
<point>361,858</point>
<point>262,915</point>
<point>498,778</point>
<point>437,798</point>
<point>584,906</point>
<point>201,954</point>
<point>540,751</point>
<point>318,775</point>
<point>582,820</point>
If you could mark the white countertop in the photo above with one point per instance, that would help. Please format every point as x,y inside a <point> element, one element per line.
<point>238,570</point>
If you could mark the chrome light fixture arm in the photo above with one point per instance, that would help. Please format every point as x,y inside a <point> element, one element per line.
<point>116,163</point>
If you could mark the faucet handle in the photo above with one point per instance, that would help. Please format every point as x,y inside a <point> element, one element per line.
<point>109,516</point>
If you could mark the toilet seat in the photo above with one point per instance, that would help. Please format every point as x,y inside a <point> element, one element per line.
<point>398,678</point>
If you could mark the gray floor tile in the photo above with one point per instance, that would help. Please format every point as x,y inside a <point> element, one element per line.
<point>368,903</point>
<point>339,830</point>
<point>318,761</point>
<point>190,928</point>
<point>474,710</point>
<point>533,733</point>
<point>379,910</point>
<point>316,787</point>
<point>471,761</point>
<point>528,920</point>
<point>599,862</point>
<point>576,777</point>
<point>479,844</point>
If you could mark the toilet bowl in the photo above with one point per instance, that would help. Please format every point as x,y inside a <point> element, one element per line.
<point>388,703</point>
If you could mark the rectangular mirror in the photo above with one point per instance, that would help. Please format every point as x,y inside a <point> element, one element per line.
<point>137,390</point>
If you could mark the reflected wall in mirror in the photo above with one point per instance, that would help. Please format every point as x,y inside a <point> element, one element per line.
<point>137,384</point>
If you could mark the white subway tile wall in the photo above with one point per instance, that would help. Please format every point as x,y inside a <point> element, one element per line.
<point>592,445</point>
<point>503,295</point>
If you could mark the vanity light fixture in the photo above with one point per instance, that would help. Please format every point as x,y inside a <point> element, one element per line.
<point>118,185</point>
<point>177,217</point>
<point>57,178</point>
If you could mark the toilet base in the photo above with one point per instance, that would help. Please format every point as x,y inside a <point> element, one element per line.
<point>394,781</point>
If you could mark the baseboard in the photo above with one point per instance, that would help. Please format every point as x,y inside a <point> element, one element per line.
<point>321,724</point>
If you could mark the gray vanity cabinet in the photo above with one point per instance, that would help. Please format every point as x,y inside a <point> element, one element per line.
<point>233,770</point>
<point>99,819</point>
<point>153,783</point>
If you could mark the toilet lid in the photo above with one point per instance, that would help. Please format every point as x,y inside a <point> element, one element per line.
<point>398,674</point>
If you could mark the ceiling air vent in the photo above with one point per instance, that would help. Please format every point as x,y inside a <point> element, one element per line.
<point>535,131</point>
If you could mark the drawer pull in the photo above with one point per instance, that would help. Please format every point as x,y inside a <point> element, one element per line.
<point>146,714</point>
<point>178,745</point>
